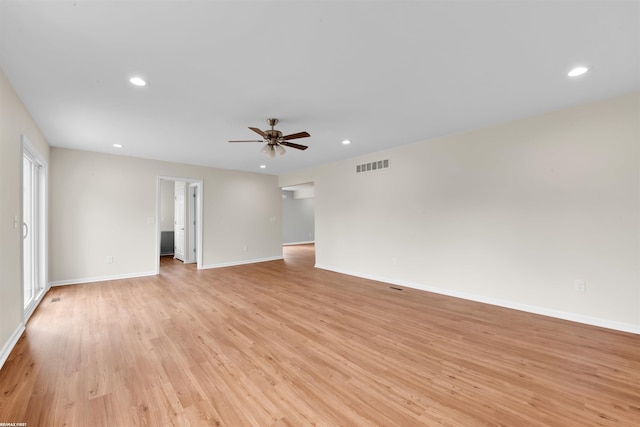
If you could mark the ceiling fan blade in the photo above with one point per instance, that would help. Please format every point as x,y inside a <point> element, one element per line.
<point>249,140</point>
<point>293,145</point>
<point>258,131</point>
<point>296,136</point>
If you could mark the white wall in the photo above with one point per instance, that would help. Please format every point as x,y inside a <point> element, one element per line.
<point>14,122</point>
<point>167,205</point>
<point>105,205</point>
<point>510,215</point>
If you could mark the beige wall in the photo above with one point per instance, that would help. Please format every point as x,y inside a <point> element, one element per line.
<point>510,215</point>
<point>104,205</point>
<point>14,122</point>
<point>167,206</point>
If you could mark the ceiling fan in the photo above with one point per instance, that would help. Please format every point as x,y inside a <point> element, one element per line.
<point>275,140</point>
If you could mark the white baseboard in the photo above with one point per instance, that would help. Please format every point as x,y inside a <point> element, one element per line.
<point>299,243</point>
<point>101,278</point>
<point>246,261</point>
<point>574,317</point>
<point>13,340</point>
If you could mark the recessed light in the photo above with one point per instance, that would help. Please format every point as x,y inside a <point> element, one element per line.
<point>117,145</point>
<point>346,142</point>
<point>263,166</point>
<point>138,81</point>
<point>577,71</point>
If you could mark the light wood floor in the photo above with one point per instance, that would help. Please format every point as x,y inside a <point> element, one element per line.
<point>283,344</point>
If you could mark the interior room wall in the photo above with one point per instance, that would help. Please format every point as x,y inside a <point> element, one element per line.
<point>167,190</point>
<point>112,214</point>
<point>15,121</point>
<point>510,215</point>
<point>297,218</point>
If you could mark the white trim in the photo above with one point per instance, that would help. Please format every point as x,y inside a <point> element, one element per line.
<point>11,343</point>
<point>43,226</point>
<point>243,262</point>
<point>101,278</point>
<point>193,189</point>
<point>298,243</point>
<point>574,317</point>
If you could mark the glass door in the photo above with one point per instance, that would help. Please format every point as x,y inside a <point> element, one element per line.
<point>32,230</point>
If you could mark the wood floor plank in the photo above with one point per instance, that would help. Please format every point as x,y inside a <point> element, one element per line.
<point>284,344</point>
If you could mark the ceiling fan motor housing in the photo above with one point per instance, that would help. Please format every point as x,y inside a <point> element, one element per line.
<point>273,135</point>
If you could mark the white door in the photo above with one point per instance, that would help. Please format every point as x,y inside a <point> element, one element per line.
<point>179,222</point>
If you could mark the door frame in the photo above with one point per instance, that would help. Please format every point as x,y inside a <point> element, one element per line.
<point>189,181</point>
<point>193,192</point>
<point>42,206</point>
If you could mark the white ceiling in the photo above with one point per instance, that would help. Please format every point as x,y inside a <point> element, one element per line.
<point>381,73</point>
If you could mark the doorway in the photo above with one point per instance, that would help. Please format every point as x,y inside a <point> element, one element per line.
<point>298,214</point>
<point>34,256</point>
<point>179,221</point>
<point>298,220</point>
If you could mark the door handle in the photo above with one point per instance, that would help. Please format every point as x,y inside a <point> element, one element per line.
<point>26,230</point>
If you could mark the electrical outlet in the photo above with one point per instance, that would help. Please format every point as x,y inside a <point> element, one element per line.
<point>245,248</point>
<point>109,259</point>
<point>395,261</point>
<point>579,285</point>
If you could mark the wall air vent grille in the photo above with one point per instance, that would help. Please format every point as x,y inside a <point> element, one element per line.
<point>367,167</point>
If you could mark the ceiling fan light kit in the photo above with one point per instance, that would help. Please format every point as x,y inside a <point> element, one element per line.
<point>275,140</point>
<point>270,150</point>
